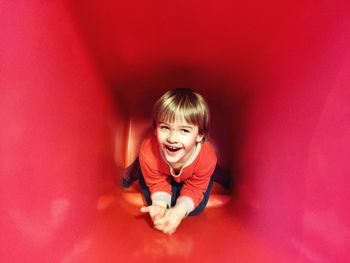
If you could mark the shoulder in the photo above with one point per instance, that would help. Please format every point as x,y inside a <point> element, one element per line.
<point>147,143</point>
<point>207,154</point>
<point>208,149</point>
<point>206,160</point>
<point>149,148</point>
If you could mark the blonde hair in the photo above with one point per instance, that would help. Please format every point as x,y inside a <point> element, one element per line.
<point>186,104</point>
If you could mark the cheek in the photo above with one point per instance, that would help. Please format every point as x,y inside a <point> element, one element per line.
<point>189,141</point>
<point>160,136</point>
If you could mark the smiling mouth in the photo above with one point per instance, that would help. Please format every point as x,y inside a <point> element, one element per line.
<point>171,148</point>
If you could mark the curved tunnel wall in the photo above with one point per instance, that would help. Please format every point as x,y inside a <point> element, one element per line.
<point>280,70</point>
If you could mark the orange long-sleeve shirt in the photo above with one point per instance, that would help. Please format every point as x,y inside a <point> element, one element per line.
<point>195,174</point>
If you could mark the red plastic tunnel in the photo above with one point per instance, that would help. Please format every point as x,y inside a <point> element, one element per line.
<point>77,83</point>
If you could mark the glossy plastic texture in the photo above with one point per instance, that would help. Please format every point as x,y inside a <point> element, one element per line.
<point>77,82</point>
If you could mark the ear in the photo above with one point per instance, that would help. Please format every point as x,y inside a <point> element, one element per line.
<point>200,137</point>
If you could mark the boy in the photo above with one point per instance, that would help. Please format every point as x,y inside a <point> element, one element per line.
<point>177,161</point>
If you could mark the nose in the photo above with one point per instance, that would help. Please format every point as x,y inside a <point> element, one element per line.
<point>172,137</point>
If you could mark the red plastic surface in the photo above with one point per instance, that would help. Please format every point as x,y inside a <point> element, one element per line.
<point>77,81</point>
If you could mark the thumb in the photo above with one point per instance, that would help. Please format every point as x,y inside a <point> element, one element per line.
<point>145,209</point>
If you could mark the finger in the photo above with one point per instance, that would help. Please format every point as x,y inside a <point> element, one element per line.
<point>145,209</point>
<point>170,232</point>
<point>159,227</point>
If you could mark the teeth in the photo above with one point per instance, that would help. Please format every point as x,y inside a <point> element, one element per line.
<point>172,148</point>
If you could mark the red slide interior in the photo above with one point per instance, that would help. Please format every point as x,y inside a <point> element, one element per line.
<point>77,83</point>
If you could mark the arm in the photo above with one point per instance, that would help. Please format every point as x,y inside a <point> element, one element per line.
<point>158,185</point>
<point>157,182</point>
<point>165,220</point>
<point>192,192</point>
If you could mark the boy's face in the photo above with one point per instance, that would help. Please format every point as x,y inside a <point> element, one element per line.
<point>177,140</point>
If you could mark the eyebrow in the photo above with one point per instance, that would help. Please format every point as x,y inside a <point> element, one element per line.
<point>186,127</point>
<point>181,126</point>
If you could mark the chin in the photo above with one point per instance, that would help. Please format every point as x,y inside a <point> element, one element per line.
<point>172,160</point>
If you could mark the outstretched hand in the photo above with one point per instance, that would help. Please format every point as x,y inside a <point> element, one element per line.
<point>166,220</point>
<point>155,211</point>
<point>171,219</point>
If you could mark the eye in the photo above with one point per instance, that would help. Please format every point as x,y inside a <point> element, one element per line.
<point>185,131</point>
<point>163,127</point>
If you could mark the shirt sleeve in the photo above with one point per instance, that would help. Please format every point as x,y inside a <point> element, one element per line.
<point>193,190</point>
<point>157,182</point>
